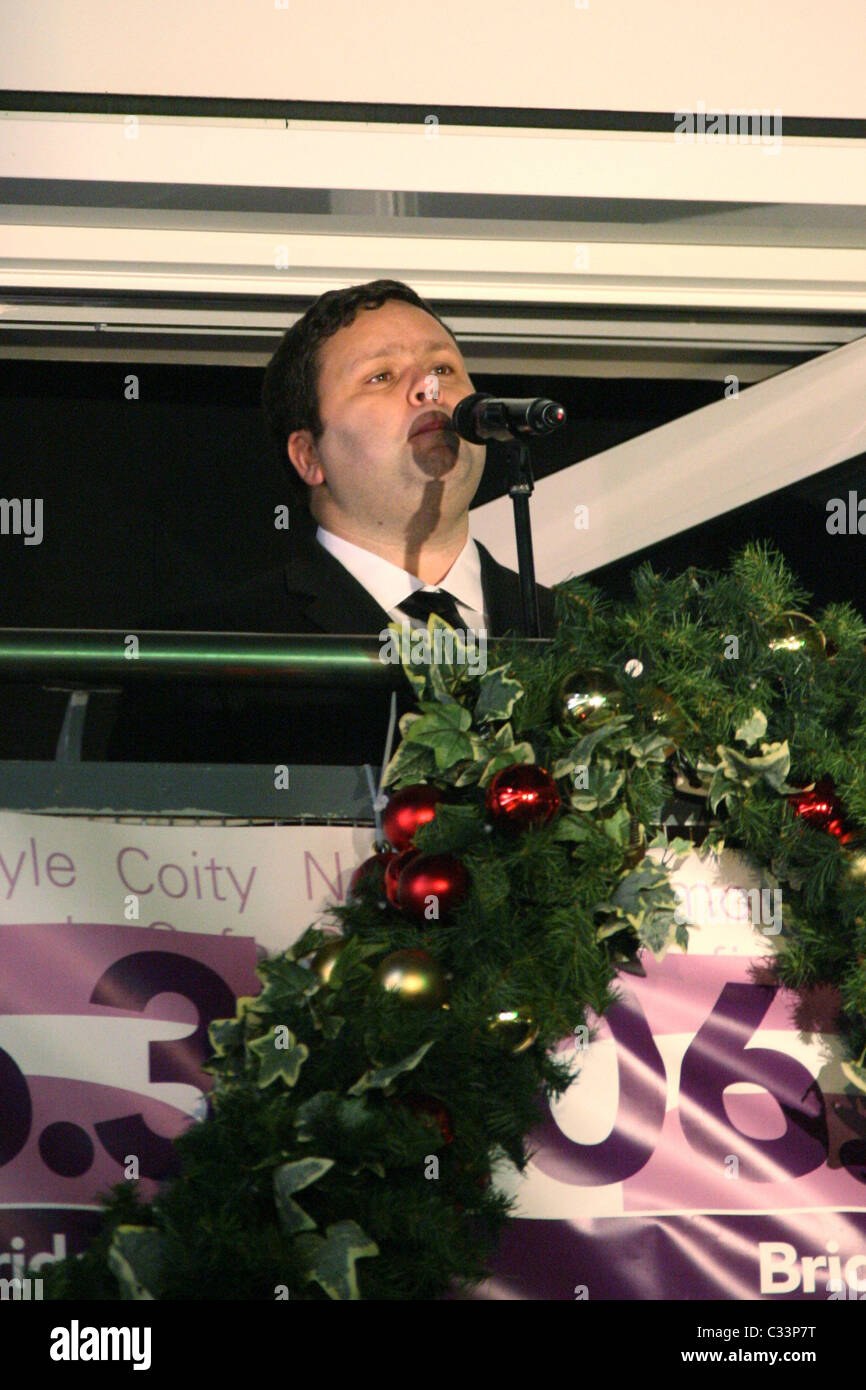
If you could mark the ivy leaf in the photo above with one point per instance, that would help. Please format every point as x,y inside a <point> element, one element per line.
<point>134,1258</point>
<point>651,749</point>
<point>225,1034</point>
<point>497,697</point>
<point>327,1110</point>
<point>329,1025</point>
<point>381,1079</point>
<point>437,719</point>
<point>754,728</point>
<point>659,929</point>
<point>571,828</point>
<point>291,1178</point>
<point>855,1073</point>
<point>722,789</point>
<point>280,1055</point>
<point>411,763</point>
<point>580,754</point>
<point>604,782</point>
<point>331,1262</point>
<point>772,764</point>
<point>518,753</point>
<point>617,826</point>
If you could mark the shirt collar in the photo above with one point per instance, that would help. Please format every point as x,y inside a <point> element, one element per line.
<point>388,584</point>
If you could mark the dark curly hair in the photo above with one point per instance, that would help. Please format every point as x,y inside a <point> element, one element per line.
<point>290,395</point>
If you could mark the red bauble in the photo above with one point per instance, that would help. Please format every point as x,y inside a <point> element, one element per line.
<point>407,810</point>
<point>440,876</point>
<point>428,1108</point>
<point>522,795</point>
<point>821,808</point>
<point>393,869</point>
<point>369,874</point>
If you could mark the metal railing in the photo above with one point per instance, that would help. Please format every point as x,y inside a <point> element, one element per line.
<point>83,661</point>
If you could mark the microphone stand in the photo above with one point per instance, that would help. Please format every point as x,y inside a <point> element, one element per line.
<point>520,488</point>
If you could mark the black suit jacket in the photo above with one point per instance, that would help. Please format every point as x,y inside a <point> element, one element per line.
<point>310,593</point>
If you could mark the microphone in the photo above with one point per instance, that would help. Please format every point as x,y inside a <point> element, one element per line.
<point>480,417</point>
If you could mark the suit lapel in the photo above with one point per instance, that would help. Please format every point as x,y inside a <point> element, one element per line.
<point>328,596</point>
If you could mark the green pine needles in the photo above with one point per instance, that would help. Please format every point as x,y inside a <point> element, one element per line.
<point>353,1136</point>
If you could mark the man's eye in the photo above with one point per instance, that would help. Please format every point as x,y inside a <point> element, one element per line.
<point>443,366</point>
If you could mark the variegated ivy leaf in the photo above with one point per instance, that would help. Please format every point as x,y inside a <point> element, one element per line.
<point>570,827</point>
<point>225,1034</point>
<point>497,697</point>
<point>382,1078</point>
<point>331,1262</point>
<point>659,929</point>
<point>294,1177</point>
<point>772,764</point>
<point>722,789</point>
<point>518,753</point>
<point>617,827</point>
<point>411,763</point>
<point>443,729</point>
<point>352,1116</point>
<point>134,1258</point>
<point>754,728</point>
<point>604,782</point>
<point>580,754</point>
<point>280,1055</point>
<point>651,749</point>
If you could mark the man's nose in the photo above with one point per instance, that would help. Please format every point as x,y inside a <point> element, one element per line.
<point>428,387</point>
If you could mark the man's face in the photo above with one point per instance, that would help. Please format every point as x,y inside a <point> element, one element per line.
<point>382,381</point>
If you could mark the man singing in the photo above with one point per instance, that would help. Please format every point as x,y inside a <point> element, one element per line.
<point>359,398</point>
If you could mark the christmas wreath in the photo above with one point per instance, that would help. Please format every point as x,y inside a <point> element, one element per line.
<point>362,1100</point>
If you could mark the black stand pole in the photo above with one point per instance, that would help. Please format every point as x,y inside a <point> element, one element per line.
<point>520,487</point>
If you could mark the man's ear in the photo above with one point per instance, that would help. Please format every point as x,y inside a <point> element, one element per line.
<point>304,457</point>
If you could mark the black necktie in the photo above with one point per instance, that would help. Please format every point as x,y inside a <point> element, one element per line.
<point>422,603</point>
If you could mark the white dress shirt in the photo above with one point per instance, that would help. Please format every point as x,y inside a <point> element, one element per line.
<point>388,584</point>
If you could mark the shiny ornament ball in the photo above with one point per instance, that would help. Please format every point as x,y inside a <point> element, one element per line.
<point>522,795</point>
<point>407,810</point>
<point>326,958</point>
<point>513,1028</point>
<point>415,977</point>
<point>797,632</point>
<point>370,875</point>
<point>588,699</point>
<point>393,869</point>
<point>820,807</point>
<point>431,886</point>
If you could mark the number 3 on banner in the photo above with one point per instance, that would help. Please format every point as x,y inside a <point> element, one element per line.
<point>130,984</point>
<point>716,1058</point>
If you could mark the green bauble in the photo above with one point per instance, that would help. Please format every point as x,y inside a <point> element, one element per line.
<point>588,699</point>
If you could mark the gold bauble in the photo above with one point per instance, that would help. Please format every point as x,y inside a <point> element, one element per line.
<point>797,632</point>
<point>514,1028</point>
<point>326,958</point>
<point>588,699</point>
<point>856,867</point>
<point>415,977</point>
